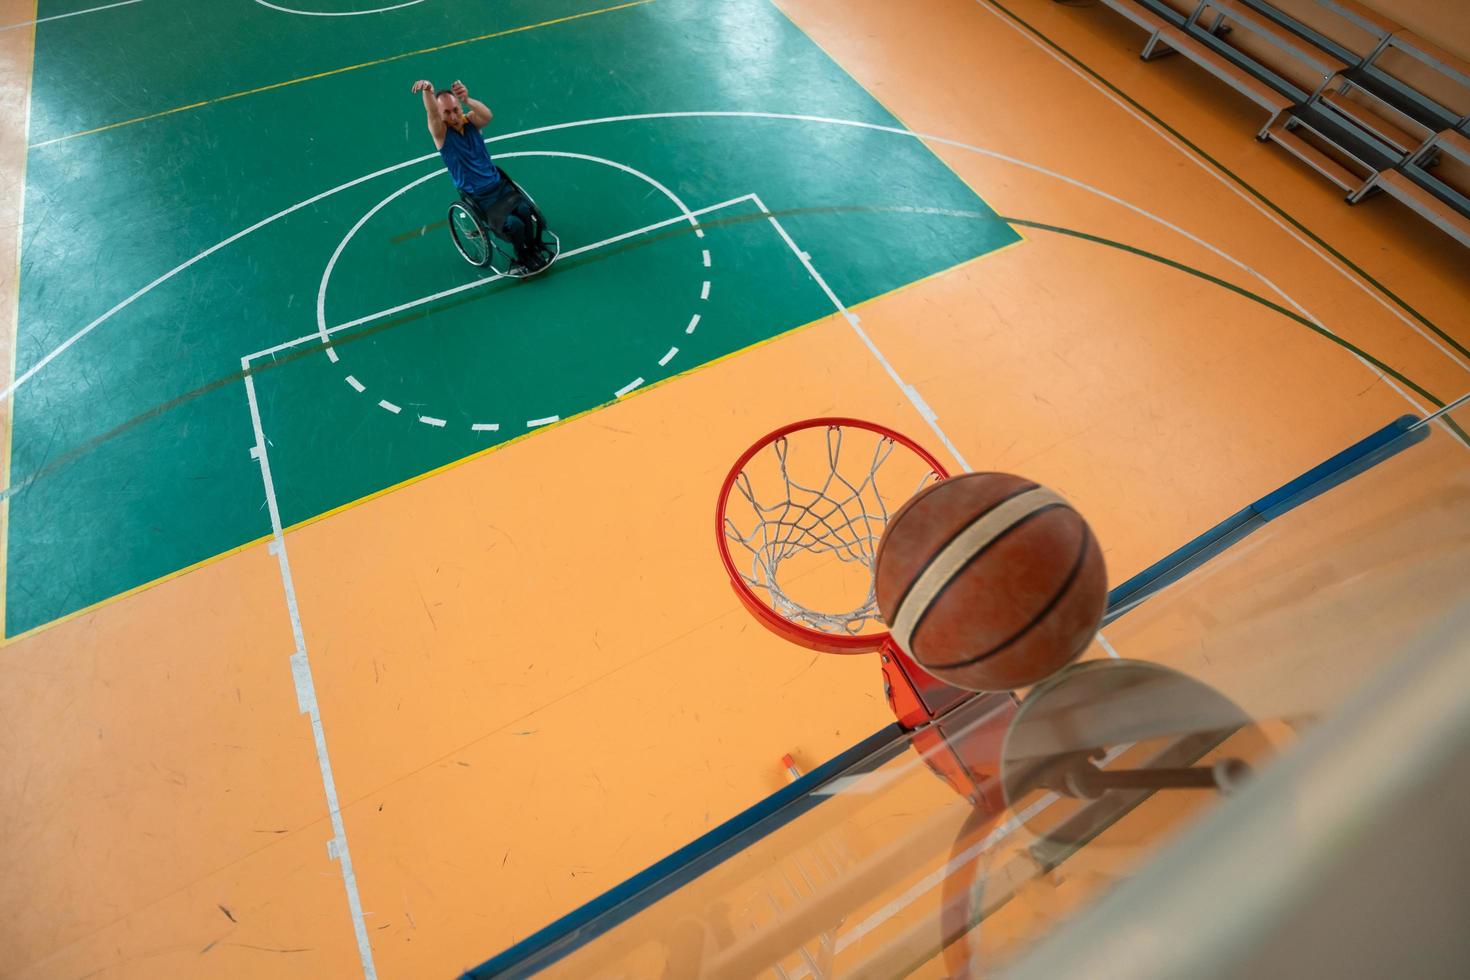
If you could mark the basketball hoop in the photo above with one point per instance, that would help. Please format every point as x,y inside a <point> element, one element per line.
<point>798,522</point>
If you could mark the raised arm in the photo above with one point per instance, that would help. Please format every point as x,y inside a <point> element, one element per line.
<point>479,114</point>
<point>431,109</point>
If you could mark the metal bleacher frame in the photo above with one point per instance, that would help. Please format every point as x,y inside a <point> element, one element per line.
<point>1390,141</point>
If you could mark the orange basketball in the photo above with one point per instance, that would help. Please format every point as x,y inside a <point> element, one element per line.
<point>990,581</point>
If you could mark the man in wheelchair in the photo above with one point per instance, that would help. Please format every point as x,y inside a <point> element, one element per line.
<point>502,206</point>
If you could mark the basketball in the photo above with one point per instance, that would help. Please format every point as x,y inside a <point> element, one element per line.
<point>990,581</point>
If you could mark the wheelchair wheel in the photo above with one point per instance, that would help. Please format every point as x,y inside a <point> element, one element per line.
<point>470,236</point>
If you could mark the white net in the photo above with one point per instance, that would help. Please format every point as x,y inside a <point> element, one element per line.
<point>814,521</point>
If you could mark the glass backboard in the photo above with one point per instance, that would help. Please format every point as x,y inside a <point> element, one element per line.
<point>1211,666</point>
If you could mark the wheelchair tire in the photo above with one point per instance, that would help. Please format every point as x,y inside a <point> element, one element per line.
<point>470,235</point>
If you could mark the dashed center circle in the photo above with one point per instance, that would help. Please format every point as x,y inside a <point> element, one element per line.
<point>487,425</point>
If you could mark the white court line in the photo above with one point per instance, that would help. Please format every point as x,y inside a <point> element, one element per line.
<point>356,385</point>
<point>1239,192</point>
<point>321,293</point>
<point>662,361</point>
<point>401,307</point>
<point>908,390</point>
<point>305,685</point>
<point>67,344</point>
<point>928,415</point>
<point>306,699</point>
<point>340,13</point>
<point>1301,310</point>
<point>706,258</point>
<point>869,783</point>
<point>879,781</point>
<point>74,13</point>
<point>1449,407</point>
<point>10,389</point>
<point>629,387</point>
<point>853,321</point>
<point>802,256</point>
<point>30,372</point>
<point>693,324</point>
<point>959,861</point>
<point>934,877</point>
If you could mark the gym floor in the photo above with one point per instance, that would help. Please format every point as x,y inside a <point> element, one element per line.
<point>361,613</point>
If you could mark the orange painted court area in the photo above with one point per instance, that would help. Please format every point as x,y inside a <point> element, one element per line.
<point>531,675</point>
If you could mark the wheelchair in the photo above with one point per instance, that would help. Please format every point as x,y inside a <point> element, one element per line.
<point>479,237</point>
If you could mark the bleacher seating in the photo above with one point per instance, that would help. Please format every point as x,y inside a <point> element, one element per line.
<point>1355,96</point>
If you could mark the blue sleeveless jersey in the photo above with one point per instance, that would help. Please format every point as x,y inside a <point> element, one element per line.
<point>469,163</point>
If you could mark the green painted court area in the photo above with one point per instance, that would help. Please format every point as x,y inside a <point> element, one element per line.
<point>131,445</point>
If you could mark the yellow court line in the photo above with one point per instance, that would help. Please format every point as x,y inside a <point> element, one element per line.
<point>10,327</point>
<point>453,464</point>
<point>100,603</point>
<point>338,71</point>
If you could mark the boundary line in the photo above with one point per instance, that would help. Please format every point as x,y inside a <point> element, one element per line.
<point>7,411</point>
<point>301,670</point>
<point>306,699</point>
<point>74,13</point>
